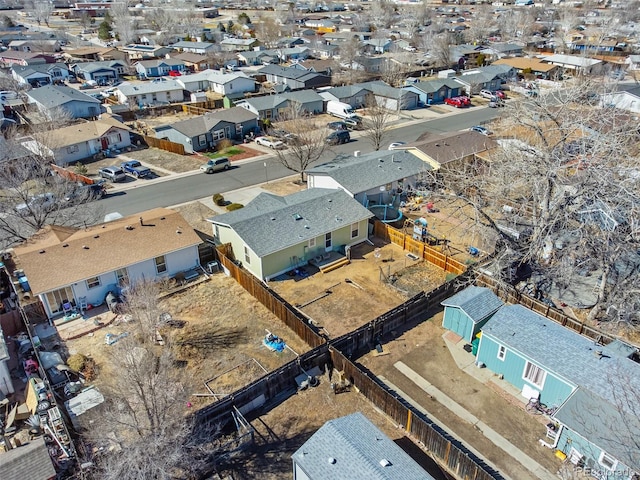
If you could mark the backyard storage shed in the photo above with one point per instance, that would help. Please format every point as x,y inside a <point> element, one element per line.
<point>467,311</point>
<point>352,447</point>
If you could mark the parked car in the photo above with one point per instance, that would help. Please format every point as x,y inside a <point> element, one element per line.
<point>215,165</point>
<point>497,102</point>
<point>270,142</point>
<point>337,137</point>
<point>83,191</point>
<point>488,94</point>
<point>500,94</point>
<point>135,168</point>
<point>396,145</point>
<point>280,134</point>
<point>8,95</point>
<point>40,202</point>
<point>337,126</point>
<point>455,102</point>
<point>114,174</point>
<point>482,130</point>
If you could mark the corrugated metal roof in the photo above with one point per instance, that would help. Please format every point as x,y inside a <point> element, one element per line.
<point>353,448</point>
<point>476,302</point>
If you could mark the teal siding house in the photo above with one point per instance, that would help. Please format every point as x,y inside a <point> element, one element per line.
<point>594,387</point>
<point>468,310</point>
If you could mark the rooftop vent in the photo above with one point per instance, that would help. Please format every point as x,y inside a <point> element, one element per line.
<point>331,460</point>
<point>85,247</point>
<point>163,218</point>
<point>65,245</point>
<point>297,216</point>
<point>96,236</point>
<point>41,251</point>
<point>273,218</point>
<point>128,227</point>
<point>385,463</point>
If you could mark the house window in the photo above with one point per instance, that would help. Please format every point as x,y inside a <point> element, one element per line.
<point>312,242</point>
<point>218,135</point>
<point>202,139</point>
<point>354,230</point>
<point>267,114</point>
<point>93,282</point>
<point>607,461</point>
<point>534,374</point>
<point>122,276</point>
<point>56,298</point>
<point>327,241</point>
<point>72,149</point>
<point>247,256</point>
<point>502,352</point>
<point>161,264</point>
<point>154,96</point>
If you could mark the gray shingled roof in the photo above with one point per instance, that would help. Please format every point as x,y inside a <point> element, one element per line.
<point>273,101</point>
<point>203,123</point>
<point>30,461</point>
<point>288,72</point>
<point>141,88</point>
<point>431,86</point>
<point>346,91</point>
<point>51,96</point>
<point>360,174</point>
<point>564,352</point>
<point>156,62</point>
<point>353,448</point>
<point>93,66</point>
<point>476,302</point>
<point>268,223</point>
<point>602,424</point>
<point>37,68</point>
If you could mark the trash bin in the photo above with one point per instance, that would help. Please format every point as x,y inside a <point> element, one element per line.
<point>474,346</point>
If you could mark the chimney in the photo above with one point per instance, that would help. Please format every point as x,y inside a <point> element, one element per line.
<point>141,222</point>
<point>356,153</point>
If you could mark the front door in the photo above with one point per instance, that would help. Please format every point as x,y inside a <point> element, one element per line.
<point>328,244</point>
<point>105,143</point>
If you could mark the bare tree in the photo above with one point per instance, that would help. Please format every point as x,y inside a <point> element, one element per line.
<point>396,69</point>
<point>441,49</point>
<point>268,31</point>
<point>376,123</point>
<point>571,200</point>
<point>41,11</point>
<point>308,139</point>
<point>123,22</point>
<point>349,51</point>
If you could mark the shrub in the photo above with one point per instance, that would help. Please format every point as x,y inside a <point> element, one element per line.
<point>234,206</point>
<point>76,362</point>
<point>224,144</point>
<point>80,169</point>
<point>218,199</point>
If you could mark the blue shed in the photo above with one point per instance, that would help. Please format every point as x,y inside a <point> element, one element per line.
<point>595,387</point>
<point>467,311</point>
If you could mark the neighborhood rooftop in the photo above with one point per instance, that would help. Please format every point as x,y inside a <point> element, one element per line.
<point>72,255</point>
<point>51,96</point>
<point>291,219</point>
<point>140,88</point>
<point>476,302</point>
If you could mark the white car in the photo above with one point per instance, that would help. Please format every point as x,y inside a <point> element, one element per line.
<point>40,202</point>
<point>487,94</point>
<point>396,145</point>
<point>270,142</point>
<point>481,130</point>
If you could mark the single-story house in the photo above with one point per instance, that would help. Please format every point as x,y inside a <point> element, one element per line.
<point>149,93</point>
<point>272,106</point>
<point>628,100</point>
<point>205,131</point>
<point>238,44</point>
<point>136,51</point>
<point>67,265</point>
<point>40,46</point>
<point>377,45</point>
<point>319,66</point>
<point>372,179</point>
<point>31,460</point>
<point>324,51</point>
<point>375,64</point>
<point>201,48</point>
<point>466,55</point>
<point>501,50</point>
<point>354,95</point>
<point>343,37</point>
<point>589,385</point>
<point>466,312</point>
<point>11,57</point>
<point>101,72</point>
<point>50,98</point>
<point>289,42</point>
<point>40,74</point>
<point>533,65</point>
<point>316,221</point>
<point>94,53</point>
<point>295,79</point>
<point>263,57</point>
<point>83,140</point>
<point>390,97</point>
<point>476,80</point>
<point>159,67</point>
<point>219,81</point>
<point>352,447</point>
<point>434,91</point>
<point>576,63</point>
<point>193,62</point>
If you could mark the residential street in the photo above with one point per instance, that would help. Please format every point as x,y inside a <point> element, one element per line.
<point>192,186</point>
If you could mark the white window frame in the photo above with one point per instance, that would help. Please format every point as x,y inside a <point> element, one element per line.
<point>122,276</point>
<point>247,255</point>
<point>502,352</point>
<point>161,267</point>
<point>355,230</point>
<point>328,241</point>
<point>218,134</point>
<point>528,368</point>
<point>312,242</point>
<point>93,282</point>
<point>614,461</point>
<point>202,139</point>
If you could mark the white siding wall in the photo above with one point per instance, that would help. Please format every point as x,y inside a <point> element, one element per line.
<point>323,181</point>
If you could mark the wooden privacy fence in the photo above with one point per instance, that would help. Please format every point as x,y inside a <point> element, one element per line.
<point>510,294</point>
<point>164,144</point>
<point>418,248</point>
<point>449,452</point>
<point>69,175</point>
<point>290,316</point>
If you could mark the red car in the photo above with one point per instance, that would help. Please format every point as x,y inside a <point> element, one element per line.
<point>466,101</point>
<point>500,94</point>
<point>454,102</point>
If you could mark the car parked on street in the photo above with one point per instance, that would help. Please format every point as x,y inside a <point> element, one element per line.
<point>135,168</point>
<point>498,102</point>
<point>482,130</point>
<point>113,174</point>
<point>215,165</point>
<point>84,191</point>
<point>337,137</point>
<point>396,145</point>
<point>40,202</point>
<point>270,142</point>
<point>337,126</point>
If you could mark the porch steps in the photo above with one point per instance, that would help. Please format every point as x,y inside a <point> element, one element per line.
<point>329,267</point>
